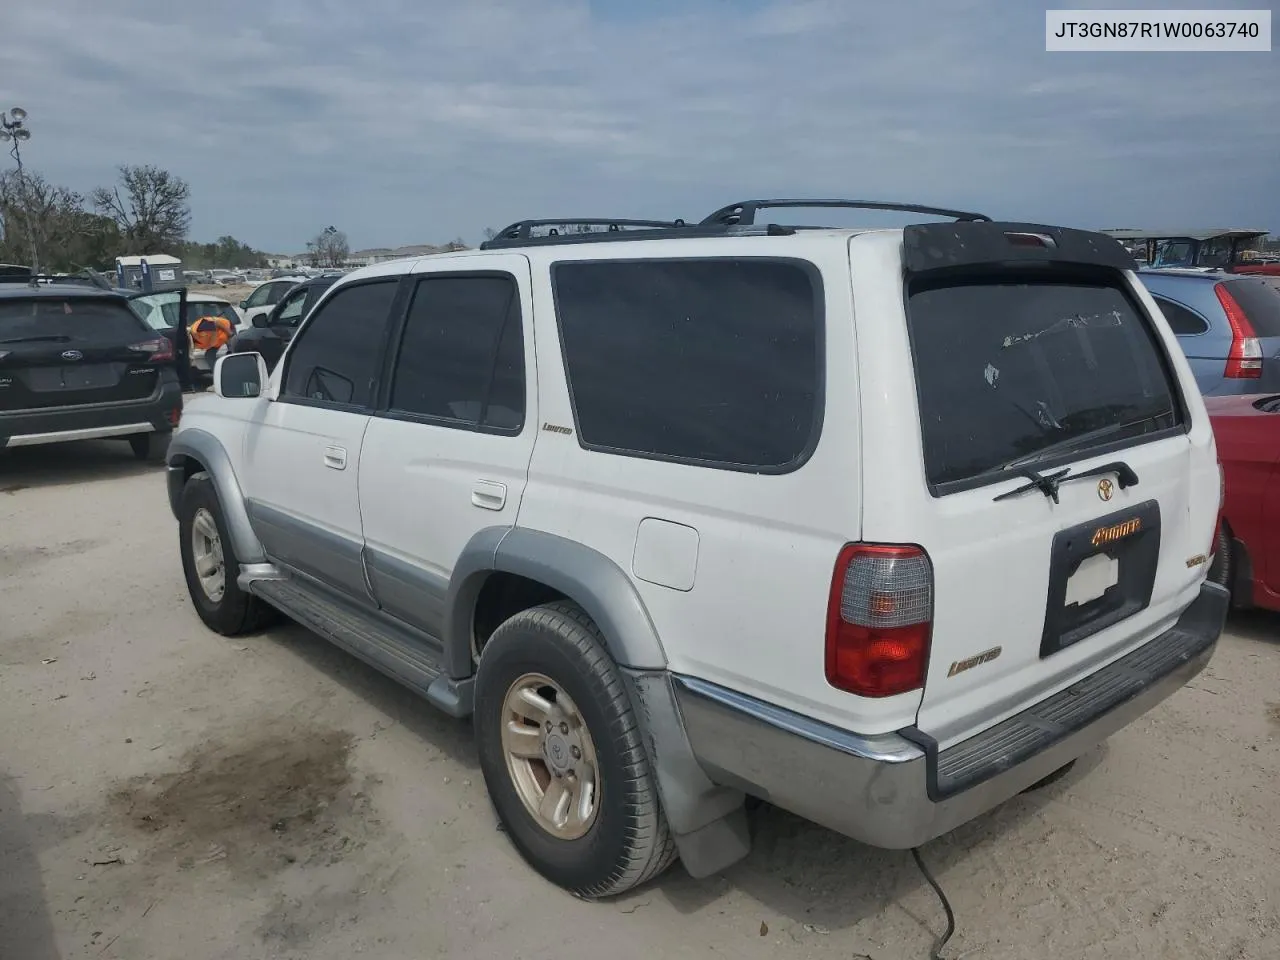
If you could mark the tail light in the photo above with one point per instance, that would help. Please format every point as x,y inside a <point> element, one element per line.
<point>175,416</point>
<point>1244,361</point>
<point>879,619</point>
<point>159,350</point>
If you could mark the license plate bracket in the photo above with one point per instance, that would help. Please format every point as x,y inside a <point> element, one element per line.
<point>1130,538</point>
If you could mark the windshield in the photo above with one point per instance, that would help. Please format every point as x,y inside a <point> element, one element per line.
<point>1011,371</point>
<point>1174,253</point>
<point>97,319</point>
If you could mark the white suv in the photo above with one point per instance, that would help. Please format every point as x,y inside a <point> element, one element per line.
<point>881,526</point>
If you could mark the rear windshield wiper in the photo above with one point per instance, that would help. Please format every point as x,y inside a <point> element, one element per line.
<point>1048,483</point>
<point>48,338</point>
<point>1082,439</point>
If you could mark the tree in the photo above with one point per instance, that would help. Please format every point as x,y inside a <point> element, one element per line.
<point>149,207</point>
<point>490,233</point>
<point>329,248</point>
<point>67,237</point>
<point>225,252</point>
<point>454,245</point>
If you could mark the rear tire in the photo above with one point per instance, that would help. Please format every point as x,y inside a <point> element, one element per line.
<point>210,564</point>
<point>150,447</point>
<point>553,657</point>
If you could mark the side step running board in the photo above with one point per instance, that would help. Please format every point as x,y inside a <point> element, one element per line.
<point>409,657</point>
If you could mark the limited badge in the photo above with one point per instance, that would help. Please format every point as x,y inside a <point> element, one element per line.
<point>1105,489</point>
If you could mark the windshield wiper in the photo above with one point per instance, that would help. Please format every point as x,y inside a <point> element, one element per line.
<point>1048,483</point>
<point>50,338</point>
<point>1069,443</point>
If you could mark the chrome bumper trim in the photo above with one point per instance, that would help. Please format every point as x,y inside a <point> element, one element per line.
<point>88,433</point>
<point>869,789</point>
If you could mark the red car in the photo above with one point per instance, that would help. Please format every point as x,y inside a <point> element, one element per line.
<point>1247,559</point>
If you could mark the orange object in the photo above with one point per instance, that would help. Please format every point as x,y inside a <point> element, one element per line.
<point>210,333</point>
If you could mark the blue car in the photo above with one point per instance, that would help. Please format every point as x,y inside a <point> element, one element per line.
<point>1227,324</point>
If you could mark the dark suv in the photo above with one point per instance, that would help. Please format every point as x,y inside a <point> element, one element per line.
<point>271,332</point>
<point>77,363</point>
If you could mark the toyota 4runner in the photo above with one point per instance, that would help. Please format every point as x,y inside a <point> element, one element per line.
<point>881,526</point>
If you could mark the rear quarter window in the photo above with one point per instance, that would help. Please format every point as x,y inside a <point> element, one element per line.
<point>713,362</point>
<point>1182,321</point>
<point>1011,370</point>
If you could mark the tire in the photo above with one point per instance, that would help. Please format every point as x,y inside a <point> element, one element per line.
<point>230,611</point>
<point>1220,571</point>
<point>627,841</point>
<point>150,447</point>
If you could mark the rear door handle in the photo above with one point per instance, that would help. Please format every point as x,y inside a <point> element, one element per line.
<point>335,457</point>
<point>489,495</point>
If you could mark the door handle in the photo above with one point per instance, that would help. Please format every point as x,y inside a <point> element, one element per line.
<point>335,457</point>
<point>489,495</point>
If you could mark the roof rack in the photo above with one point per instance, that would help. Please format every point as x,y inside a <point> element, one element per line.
<point>522,230</point>
<point>744,213</point>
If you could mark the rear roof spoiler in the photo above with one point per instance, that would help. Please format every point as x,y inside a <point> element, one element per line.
<point>942,246</point>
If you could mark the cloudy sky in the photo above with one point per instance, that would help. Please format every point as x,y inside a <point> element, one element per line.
<point>414,121</point>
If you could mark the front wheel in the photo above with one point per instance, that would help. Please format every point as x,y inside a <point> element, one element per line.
<point>562,755</point>
<point>210,563</point>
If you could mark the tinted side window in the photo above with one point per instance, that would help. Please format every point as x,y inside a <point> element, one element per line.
<point>1182,321</point>
<point>292,311</point>
<point>335,357</point>
<point>714,361</point>
<point>259,296</point>
<point>275,291</point>
<point>462,354</point>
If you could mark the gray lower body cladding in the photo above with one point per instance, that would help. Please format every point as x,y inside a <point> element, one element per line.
<point>898,790</point>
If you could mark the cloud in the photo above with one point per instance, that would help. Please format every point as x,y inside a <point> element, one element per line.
<point>415,122</point>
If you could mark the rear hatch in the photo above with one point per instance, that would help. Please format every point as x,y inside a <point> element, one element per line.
<point>71,351</point>
<point>1065,495</point>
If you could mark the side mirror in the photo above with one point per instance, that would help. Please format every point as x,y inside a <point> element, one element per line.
<point>261,320</point>
<point>244,304</point>
<point>240,376</point>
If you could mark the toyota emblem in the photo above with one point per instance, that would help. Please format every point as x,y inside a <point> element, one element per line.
<point>72,355</point>
<point>1104,489</point>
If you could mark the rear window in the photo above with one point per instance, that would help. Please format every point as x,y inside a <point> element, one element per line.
<point>1260,302</point>
<point>1010,372</point>
<point>47,318</point>
<point>715,362</point>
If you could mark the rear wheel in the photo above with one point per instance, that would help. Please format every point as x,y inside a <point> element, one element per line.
<point>562,757</point>
<point>210,563</point>
<point>150,447</point>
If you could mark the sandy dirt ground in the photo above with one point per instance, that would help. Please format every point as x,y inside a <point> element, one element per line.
<point>167,793</point>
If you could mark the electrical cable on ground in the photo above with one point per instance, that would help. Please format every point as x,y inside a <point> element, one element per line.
<point>936,952</point>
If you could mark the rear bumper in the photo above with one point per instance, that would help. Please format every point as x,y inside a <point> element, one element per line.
<point>897,790</point>
<point>92,421</point>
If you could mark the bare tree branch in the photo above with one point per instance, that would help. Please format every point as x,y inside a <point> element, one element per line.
<point>156,214</point>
